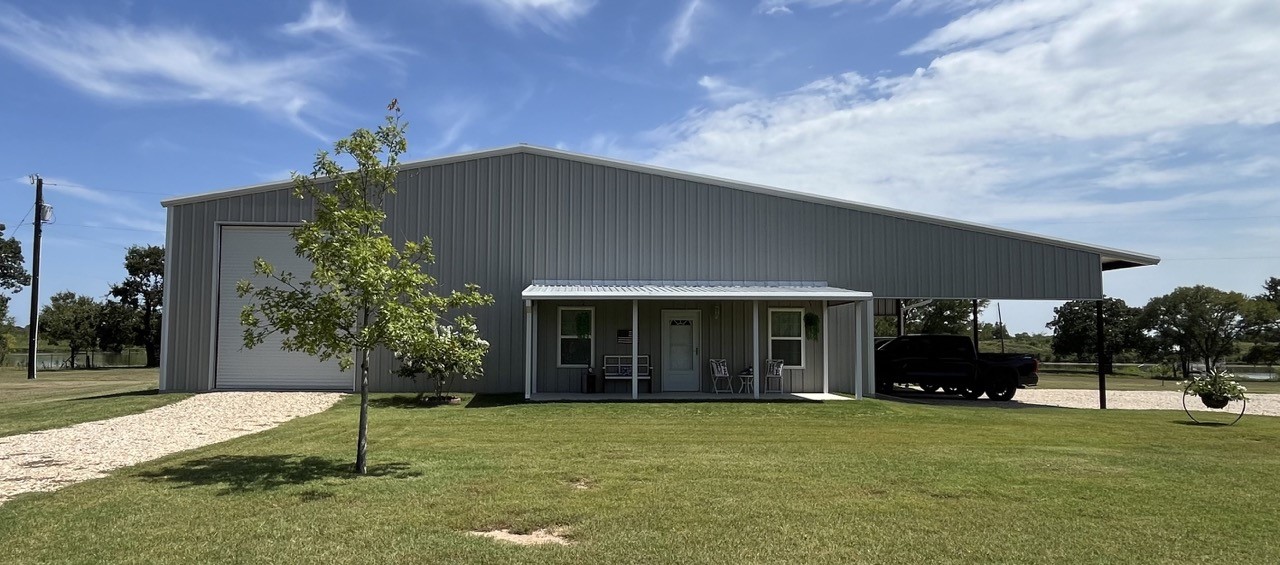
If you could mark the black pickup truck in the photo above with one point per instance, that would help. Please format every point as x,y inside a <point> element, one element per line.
<point>950,363</point>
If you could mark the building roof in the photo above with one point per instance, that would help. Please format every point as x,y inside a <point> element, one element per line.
<point>688,290</point>
<point>1111,258</point>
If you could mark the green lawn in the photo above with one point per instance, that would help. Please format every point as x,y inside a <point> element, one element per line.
<point>839,482</point>
<point>62,398</point>
<point>1059,378</point>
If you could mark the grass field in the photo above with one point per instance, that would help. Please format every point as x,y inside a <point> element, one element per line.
<point>1087,379</point>
<point>62,398</point>
<point>839,482</point>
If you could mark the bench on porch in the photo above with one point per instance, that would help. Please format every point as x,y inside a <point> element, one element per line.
<point>618,368</point>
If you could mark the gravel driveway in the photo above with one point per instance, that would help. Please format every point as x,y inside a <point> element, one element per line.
<point>50,459</point>
<point>1259,404</point>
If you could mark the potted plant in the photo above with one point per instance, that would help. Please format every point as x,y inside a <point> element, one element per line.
<point>1215,388</point>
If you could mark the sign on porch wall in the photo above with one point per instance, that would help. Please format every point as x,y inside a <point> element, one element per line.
<point>624,337</point>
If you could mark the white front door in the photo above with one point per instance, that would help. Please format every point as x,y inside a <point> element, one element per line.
<point>680,352</point>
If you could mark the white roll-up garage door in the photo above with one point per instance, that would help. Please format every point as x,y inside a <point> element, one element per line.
<point>266,366</point>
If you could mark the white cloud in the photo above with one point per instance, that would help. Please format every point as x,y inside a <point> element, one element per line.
<point>168,63</point>
<point>332,20</point>
<point>680,32</point>
<point>720,91</point>
<point>1074,119</point>
<point>550,16</point>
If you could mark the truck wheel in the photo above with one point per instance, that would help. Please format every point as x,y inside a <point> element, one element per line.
<point>929,388</point>
<point>1003,386</point>
<point>971,393</point>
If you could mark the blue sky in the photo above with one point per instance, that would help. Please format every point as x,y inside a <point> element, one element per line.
<point>1149,125</point>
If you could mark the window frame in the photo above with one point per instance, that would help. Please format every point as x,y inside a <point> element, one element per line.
<point>591,311</point>
<point>801,338</point>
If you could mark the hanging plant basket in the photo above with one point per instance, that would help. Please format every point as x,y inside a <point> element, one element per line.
<point>812,325</point>
<point>1214,400</point>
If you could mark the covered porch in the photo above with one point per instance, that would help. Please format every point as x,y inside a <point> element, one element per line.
<point>687,397</point>
<point>656,341</point>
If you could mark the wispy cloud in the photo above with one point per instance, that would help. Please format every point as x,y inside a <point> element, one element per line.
<point>168,63</point>
<point>550,16</point>
<point>680,31</point>
<point>331,20</point>
<point>720,91</point>
<point>109,209</point>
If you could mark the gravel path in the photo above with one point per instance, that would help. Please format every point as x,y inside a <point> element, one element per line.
<point>51,459</point>
<point>1259,404</point>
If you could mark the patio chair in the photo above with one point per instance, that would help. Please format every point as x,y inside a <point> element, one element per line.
<point>720,374</point>
<point>772,372</point>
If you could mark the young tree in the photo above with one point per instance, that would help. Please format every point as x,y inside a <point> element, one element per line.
<point>143,290</point>
<point>363,291</point>
<point>1075,328</point>
<point>73,320</point>
<point>1201,321</point>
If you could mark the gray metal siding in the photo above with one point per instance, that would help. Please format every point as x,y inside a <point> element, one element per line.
<point>503,221</point>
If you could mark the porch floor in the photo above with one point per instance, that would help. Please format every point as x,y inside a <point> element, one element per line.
<point>689,396</point>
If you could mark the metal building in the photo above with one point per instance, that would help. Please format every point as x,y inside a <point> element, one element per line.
<point>641,274</point>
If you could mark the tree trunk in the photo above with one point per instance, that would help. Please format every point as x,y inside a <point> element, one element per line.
<point>153,354</point>
<point>362,442</point>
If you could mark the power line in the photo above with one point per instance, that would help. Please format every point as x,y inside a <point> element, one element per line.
<point>69,185</point>
<point>24,217</point>
<point>1156,221</point>
<point>1220,258</point>
<point>112,228</point>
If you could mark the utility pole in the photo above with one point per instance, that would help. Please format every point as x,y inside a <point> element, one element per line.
<point>33,323</point>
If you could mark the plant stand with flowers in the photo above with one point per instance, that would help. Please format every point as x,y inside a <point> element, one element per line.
<point>1216,389</point>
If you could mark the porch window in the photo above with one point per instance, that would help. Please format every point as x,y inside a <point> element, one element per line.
<point>786,336</point>
<point>577,331</point>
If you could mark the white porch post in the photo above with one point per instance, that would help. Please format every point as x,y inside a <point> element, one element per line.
<point>533,385</point>
<point>528,349</point>
<point>869,344</point>
<point>635,350</point>
<point>755,348</point>
<point>859,310</point>
<point>826,346</point>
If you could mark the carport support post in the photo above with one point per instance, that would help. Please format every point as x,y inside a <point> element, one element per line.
<point>755,348</point>
<point>902,318</point>
<point>975,324</point>
<point>1102,352</point>
<point>635,351</point>
<point>826,347</point>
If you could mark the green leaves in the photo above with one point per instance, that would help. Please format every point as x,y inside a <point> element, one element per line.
<point>363,292</point>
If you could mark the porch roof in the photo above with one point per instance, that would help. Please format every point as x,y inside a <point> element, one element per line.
<point>689,290</point>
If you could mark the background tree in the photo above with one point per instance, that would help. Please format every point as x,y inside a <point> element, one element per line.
<point>363,292</point>
<point>73,320</point>
<point>118,326</point>
<point>954,317</point>
<point>13,270</point>
<point>143,290</point>
<point>13,276</point>
<point>1075,330</point>
<point>1203,322</point>
<point>1263,319</point>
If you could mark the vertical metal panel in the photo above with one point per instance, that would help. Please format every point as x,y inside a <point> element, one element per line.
<point>503,221</point>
